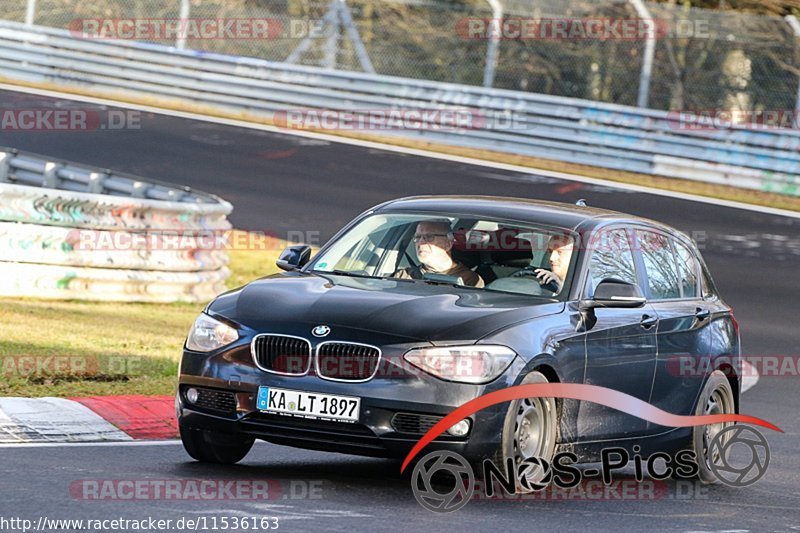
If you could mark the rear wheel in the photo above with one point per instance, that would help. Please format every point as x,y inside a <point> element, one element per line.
<point>716,399</point>
<point>217,448</point>
<point>529,432</point>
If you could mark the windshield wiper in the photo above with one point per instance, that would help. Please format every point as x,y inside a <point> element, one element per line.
<point>342,273</point>
<point>450,284</point>
<point>347,273</point>
<point>443,279</point>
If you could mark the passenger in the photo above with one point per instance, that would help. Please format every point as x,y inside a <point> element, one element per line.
<point>434,242</point>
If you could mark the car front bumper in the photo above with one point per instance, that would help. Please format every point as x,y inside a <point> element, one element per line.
<point>229,382</point>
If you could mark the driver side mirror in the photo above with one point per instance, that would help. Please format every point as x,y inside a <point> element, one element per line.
<point>615,293</point>
<point>294,257</point>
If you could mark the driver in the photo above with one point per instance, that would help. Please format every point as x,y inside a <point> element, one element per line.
<point>559,250</point>
<point>434,242</point>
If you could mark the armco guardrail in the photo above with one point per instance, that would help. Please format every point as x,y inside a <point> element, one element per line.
<point>564,129</point>
<point>70,231</point>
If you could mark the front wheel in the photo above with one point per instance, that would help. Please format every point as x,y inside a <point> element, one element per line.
<point>207,448</point>
<point>529,432</point>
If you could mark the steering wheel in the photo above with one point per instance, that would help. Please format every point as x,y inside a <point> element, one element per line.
<point>529,271</point>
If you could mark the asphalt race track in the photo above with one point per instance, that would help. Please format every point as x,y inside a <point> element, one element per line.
<point>282,183</point>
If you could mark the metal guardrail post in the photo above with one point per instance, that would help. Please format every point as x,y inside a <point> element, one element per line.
<point>5,166</point>
<point>95,184</point>
<point>50,175</point>
<point>139,190</point>
<point>30,12</point>
<point>649,53</point>
<point>180,42</point>
<point>795,25</point>
<point>493,44</point>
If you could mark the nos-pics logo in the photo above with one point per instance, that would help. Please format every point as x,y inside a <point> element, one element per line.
<point>444,481</point>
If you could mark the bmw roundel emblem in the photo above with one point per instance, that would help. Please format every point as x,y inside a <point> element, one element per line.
<point>321,331</point>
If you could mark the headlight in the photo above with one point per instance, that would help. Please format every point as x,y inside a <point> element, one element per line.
<point>479,363</point>
<point>208,334</point>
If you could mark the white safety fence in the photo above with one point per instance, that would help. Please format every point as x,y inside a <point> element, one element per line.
<point>128,239</point>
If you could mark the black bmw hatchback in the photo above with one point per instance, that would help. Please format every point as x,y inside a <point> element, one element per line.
<point>422,304</point>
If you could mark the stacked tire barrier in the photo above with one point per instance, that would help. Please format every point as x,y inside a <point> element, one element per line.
<point>572,130</point>
<point>73,232</point>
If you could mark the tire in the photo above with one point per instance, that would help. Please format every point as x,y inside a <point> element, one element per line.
<point>200,447</point>
<point>530,430</point>
<point>716,398</point>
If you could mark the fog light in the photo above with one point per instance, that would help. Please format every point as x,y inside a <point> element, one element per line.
<point>459,429</point>
<point>192,395</point>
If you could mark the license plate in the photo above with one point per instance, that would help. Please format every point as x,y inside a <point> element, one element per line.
<point>308,404</point>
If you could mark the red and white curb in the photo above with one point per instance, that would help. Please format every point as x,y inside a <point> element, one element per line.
<point>115,418</point>
<point>89,419</point>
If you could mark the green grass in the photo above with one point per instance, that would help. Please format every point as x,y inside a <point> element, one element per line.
<point>79,348</point>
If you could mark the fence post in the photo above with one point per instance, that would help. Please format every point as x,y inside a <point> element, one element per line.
<point>30,12</point>
<point>649,52</point>
<point>337,16</point>
<point>494,43</point>
<point>795,25</point>
<point>347,19</point>
<point>180,42</point>
<point>332,42</point>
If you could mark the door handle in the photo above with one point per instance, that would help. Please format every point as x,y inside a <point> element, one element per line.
<point>702,314</point>
<point>648,321</point>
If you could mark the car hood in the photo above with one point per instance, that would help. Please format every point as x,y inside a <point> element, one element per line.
<point>398,310</point>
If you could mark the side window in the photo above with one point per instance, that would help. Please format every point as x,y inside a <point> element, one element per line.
<point>611,258</point>
<point>659,263</point>
<point>709,291</point>
<point>687,268</point>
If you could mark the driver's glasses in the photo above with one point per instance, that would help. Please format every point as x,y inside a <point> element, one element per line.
<point>428,237</point>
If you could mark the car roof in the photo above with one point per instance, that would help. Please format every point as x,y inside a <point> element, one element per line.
<point>557,214</point>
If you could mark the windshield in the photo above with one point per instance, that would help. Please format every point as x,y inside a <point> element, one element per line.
<point>457,250</point>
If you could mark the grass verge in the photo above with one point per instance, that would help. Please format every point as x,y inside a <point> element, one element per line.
<point>79,348</point>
